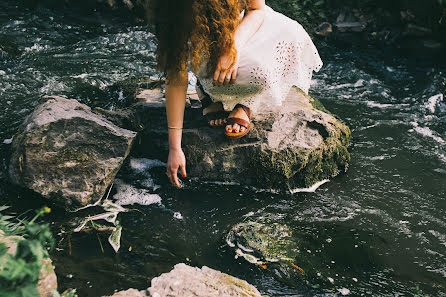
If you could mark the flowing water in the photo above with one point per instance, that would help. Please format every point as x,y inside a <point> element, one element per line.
<point>377,230</point>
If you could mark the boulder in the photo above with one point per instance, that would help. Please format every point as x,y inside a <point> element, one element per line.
<point>185,280</point>
<point>47,277</point>
<point>68,154</point>
<point>292,146</point>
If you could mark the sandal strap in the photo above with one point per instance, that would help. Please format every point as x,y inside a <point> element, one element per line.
<point>246,109</point>
<point>238,121</point>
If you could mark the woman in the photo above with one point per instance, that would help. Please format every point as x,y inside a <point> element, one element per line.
<point>246,55</point>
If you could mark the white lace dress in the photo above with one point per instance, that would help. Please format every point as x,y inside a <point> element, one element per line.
<point>278,56</point>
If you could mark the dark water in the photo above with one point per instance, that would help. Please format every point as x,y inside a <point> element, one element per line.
<point>377,230</point>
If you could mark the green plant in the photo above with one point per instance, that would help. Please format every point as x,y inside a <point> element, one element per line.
<point>67,293</point>
<point>19,273</point>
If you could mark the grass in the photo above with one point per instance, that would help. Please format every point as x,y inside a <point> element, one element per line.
<point>19,272</point>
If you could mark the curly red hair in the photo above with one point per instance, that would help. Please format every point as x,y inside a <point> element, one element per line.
<point>193,31</point>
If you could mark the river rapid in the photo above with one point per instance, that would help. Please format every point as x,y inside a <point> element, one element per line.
<point>377,230</point>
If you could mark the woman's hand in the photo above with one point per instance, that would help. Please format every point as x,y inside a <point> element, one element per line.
<point>226,71</point>
<point>176,160</point>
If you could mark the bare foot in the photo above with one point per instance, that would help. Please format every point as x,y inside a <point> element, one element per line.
<point>214,107</point>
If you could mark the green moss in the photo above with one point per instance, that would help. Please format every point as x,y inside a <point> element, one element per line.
<point>303,168</point>
<point>319,106</point>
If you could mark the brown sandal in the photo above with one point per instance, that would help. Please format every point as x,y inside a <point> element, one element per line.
<point>241,122</point>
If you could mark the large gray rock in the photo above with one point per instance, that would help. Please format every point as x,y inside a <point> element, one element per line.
<point>185,280</point>
<point>293,146</point>
<point>67,153</point>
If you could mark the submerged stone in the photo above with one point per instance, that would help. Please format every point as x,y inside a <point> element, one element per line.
<point>271,244</point>
<point>292,146</point>
<point>68,154</point>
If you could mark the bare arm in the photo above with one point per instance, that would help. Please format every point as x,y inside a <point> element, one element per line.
<point>175,102</point>
<point>251,22</point>
<point>227,68</point>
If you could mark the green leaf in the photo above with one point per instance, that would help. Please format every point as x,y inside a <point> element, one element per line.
<point>115,238</point>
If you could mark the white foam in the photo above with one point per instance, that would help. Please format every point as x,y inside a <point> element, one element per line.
<point>83,75</point>
<point>128,194</point>
<point>311,189</point>
<point>359,83</point>
<point>178,216</point>
<point>342,86</point>
<point>223,183</point>
<point>143,164</point>
<point>8,141</point>
<point>425,131</point>
<point>36,47</point>
<point>380,158</point>
<point>433,101</point>
<point>368,127</point>
<point>2,72</point>
<point>344,291</point>
<point>439,236</point>
<point>378,105</point>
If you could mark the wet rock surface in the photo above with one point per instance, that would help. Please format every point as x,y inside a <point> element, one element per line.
<point>292,146</point>
<point>68,154</point>
<point>185,280</point>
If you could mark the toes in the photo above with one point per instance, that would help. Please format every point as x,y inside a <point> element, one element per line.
<point>229,128</point>
<point>242,129</point>
<point>236,128</point>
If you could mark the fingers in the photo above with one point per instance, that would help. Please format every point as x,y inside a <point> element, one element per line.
<point>173,177</point>
<point>234,75</point>
<point>228,78</point>
<point>183,170</point>
<point>216,75</point>
<point>222,77</point>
